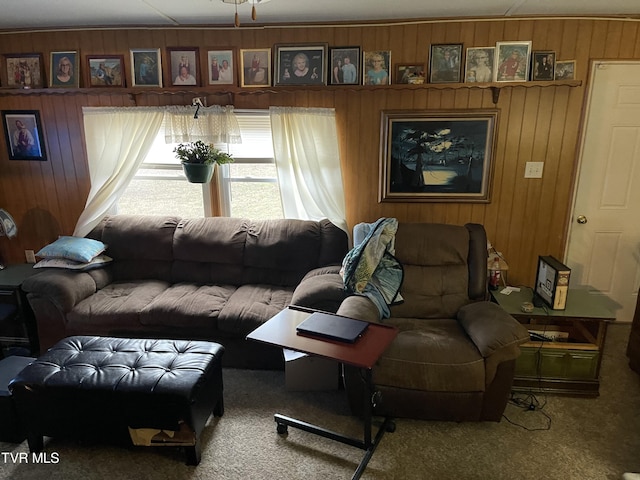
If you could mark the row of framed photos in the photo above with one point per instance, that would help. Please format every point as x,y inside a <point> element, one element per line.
<point>301,64</point>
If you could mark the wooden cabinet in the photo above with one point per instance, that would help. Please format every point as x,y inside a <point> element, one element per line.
<point>633,347</point>
<point>565,350</point>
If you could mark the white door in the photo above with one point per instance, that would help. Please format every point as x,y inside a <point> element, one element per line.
<point>603,249</point>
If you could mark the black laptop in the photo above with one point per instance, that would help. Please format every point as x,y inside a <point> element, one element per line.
<point>332,327</point>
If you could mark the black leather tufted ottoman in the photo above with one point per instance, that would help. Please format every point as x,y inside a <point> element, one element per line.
<point>106,388</point>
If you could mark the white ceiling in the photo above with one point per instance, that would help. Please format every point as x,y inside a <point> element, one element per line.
<point>30,14</point>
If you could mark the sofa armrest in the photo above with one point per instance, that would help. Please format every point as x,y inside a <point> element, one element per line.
<point>492,329</point>
<point>359,307</point>
<point>62,288</point>
<point>320,289</point>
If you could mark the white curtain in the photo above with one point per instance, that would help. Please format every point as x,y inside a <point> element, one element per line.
<point>117,140</point>
<point>305,144</point>
<point>213,125</point>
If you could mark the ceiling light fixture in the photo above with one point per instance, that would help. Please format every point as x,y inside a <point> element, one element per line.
<point>253,8</point>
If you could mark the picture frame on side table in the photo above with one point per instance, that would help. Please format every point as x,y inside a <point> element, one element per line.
<point>479,65</point>
<point>376,67</point>
<point>565,70</point>
<point>512,61</point>
<point>183,66</point>
<point>410,73</point>
<point>255,67</point>
<point>445,63</point>
<point>345,66</point>
<point>221,66</point>
<point>437,156</point>
<point>24,135</point>
<point>146,67</point>
<point>543,65</point>
<point>24,70</point>
<point>304,64</point>
<point>64,70</point>
<point>105,71</point>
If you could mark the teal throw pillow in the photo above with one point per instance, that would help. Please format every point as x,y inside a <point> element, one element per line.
<point>79,249</point>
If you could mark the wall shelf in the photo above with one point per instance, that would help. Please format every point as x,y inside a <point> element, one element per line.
<point>231,91</point>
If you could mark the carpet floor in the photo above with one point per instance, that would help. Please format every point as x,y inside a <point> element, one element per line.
<point>569,438</point>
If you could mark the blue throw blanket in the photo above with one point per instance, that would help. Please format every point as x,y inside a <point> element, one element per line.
<point>371,268</point>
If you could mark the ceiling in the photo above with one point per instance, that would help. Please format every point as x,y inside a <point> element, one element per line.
<point>37,14</point>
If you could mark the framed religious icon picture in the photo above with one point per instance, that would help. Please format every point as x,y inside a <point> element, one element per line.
<point>23,132</point>
<point>183,66</point>
<point>300,64</point>
<point>65,70</point>
<point>105,71</point>
<point>255,67</point>
<point>146,67</point>
<point>221,66</point>
<point>445,63</point>
<point>511,61</point>
<point>24,70</point>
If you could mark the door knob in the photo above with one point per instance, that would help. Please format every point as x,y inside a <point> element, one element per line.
<point>581,219</point>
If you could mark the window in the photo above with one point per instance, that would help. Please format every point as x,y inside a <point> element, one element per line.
<point>249,185</point>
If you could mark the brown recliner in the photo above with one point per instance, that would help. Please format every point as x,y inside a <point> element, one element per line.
<point>454,356</point>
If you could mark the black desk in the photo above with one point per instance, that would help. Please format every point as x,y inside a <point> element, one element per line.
<point>17,324</point>
<point>281,331</point>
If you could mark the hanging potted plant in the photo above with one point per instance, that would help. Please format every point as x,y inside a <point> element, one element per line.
<point>199,159</point>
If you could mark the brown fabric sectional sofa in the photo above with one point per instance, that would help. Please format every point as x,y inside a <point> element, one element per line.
<point>210,278</point>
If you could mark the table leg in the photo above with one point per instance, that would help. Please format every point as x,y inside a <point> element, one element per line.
<point>388,425</point>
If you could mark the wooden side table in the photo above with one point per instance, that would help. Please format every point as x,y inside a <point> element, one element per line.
<point>565,351</point>
<point>17,323</point>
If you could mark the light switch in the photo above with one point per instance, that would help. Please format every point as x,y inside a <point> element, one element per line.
<point>533,170</point>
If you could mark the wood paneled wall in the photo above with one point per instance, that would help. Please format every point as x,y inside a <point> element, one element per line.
<point>525,217</point>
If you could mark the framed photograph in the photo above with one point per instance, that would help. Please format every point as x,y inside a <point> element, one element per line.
<point>437,156</point>
<point>511,61</point>
<point>255,67</point>
<point>301,64</point>
<point>345,66</point>
<point>24,70</point>
<point>221,67</point>
<point>105,71</point>
<point>565,70</point>
<point>23,131</point>
<point>445,63</point>
<point>376,68</point>
<point>183,66</point>
<point>479,65</point>
<point>146,67</point>
<point>65,70</point>
<point>410,73</point>
<point>543,65</point>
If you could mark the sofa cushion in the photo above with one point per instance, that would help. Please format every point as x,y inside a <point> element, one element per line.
<point>209,250</point>
<point>141,245</point>
<point>434,258</point>
<point>281,252</point>
<point>115,307</point>
<point>431,355</point>
<point>252,305</point>
<point>187,305</point>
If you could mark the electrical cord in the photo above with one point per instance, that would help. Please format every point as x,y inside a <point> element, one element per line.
<point>529,401</point>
